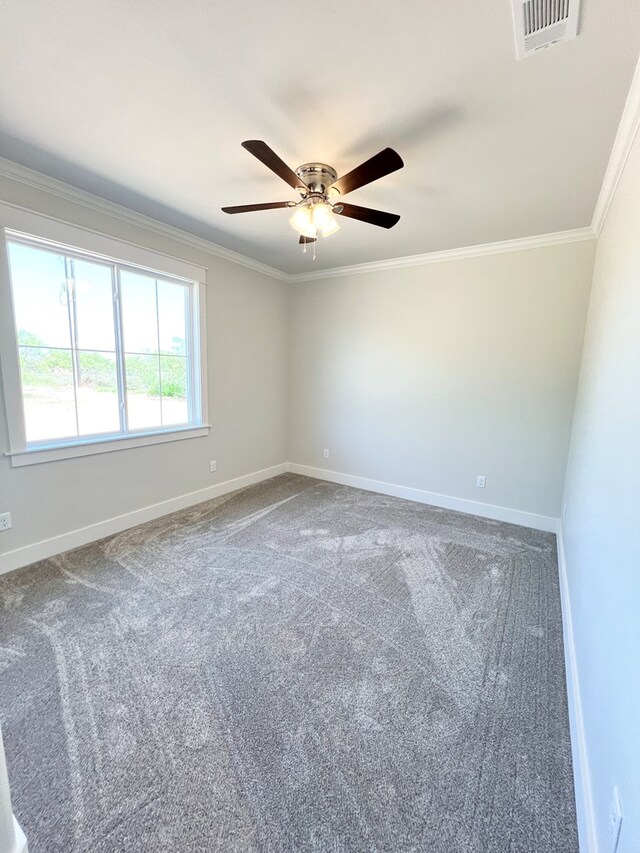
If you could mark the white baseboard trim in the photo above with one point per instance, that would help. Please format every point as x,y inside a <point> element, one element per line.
<point>581,777</point>
<point>28,554</point>
<point>498,513</point>
<point>21,841</point>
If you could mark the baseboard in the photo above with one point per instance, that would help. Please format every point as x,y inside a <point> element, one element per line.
<point>581,776</point>
<point>28,554</point>
<point>498,513</point>
<point>21,841</point>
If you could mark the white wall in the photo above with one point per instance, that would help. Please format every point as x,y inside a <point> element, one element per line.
<point>247,331</point>
<point>428,376</point>
<point>602,525</point>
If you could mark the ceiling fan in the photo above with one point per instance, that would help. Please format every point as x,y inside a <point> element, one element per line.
<point>318,184</point>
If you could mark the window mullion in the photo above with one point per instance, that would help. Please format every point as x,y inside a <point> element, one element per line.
<point>193,414</point>
<point>70,290</point>
<point>120,359</point>
<point>159,359</point>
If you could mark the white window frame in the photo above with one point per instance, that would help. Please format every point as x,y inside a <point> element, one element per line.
<point>39,231</point>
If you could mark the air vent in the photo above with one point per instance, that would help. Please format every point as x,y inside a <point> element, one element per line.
<point>542,23</point>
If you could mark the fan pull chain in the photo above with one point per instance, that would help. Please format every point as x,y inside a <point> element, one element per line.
<point>304,247</point>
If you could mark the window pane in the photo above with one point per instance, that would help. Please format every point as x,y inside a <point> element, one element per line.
<point>98,408</point>
<point>173,375</point>
<point>172,306</point>
<point>139,312</point>
<point>39,296</point>
<point>143,391</point>
<point>71,350</point>
<point>47,390</point>
<point>94,306</point>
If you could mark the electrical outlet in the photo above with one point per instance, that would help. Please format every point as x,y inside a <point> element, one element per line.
<point>213,466</point>
<point>5,520</point>
<point>615,820</point>
<point>481,481</point>
<point>325,453</point>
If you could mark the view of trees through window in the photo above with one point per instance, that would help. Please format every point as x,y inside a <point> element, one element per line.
<point>102,348</point>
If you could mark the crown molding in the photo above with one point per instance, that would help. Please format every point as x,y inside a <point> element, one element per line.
<point>40,181</point>
<point>539,241</point>
<point>625,137</point>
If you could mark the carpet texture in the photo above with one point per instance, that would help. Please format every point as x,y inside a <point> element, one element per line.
<point>298,666</point>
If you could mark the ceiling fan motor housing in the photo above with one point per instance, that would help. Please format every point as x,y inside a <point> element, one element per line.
<point>318,177</point>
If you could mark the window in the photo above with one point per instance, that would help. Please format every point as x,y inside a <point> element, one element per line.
<point>106,350</point>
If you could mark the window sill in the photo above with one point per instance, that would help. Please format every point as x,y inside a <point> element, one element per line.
<point>89,447</point>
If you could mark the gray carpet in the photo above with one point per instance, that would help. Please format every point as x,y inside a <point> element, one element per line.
<point>298,666</point>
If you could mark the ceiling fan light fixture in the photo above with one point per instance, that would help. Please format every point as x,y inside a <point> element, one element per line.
<point>309,219</point>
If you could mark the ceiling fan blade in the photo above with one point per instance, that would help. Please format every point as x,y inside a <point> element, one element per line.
<point>307,240</point>
<point>247,208</point>
<point>271,160</point>
<point>367,214</point>
<point>381,164</point>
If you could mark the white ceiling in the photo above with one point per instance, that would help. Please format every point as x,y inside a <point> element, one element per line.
<point>146,102</point>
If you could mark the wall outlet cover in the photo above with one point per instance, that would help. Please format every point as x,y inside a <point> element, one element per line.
<point>325,453</point>
<point>481,481</point>
<point>213,465</point>
<point>5,520</point>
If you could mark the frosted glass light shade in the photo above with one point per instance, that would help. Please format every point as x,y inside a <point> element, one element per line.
<point>309,219</point>
<point>302,222</point>
<point>322,215</point>
<point>331,228</point>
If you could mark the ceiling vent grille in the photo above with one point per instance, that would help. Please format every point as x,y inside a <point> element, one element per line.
<point>542,23</point>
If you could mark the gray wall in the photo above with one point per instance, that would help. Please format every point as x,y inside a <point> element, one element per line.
<point>602,521</point>
<point>247,330</point>
<point>430,375</point>
<point>423,377</point>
